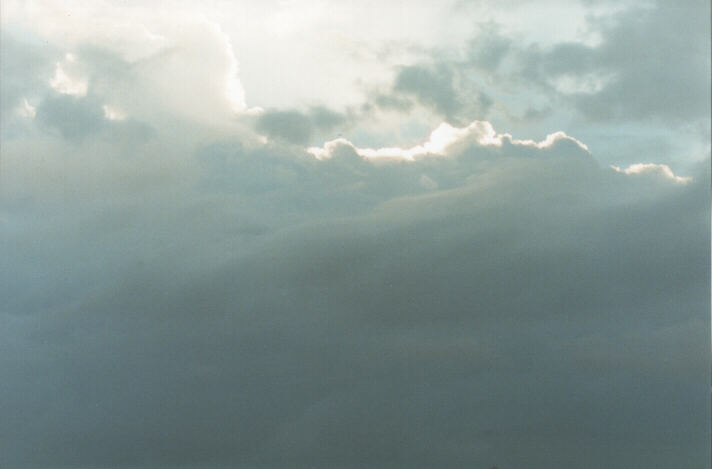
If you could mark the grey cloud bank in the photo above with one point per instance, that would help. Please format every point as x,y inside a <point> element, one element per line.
<point>207,289</point>
<point>539,309</point>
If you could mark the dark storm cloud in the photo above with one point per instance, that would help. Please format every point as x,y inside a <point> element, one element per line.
<point>276,310</point>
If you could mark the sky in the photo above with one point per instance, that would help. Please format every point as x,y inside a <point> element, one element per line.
<point>354,234</point>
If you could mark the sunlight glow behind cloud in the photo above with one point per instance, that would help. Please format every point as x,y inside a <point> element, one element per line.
<point>441,141</point>
<point>653,168</point>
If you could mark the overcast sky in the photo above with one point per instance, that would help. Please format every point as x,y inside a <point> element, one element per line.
<point>355,234</point>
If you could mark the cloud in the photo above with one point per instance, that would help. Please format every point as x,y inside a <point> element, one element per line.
<point>72,116</point>
<point>660,169</point>
<point>25,65</point>
<point>634,90</point>
<point>299,127</point>
<point>619,77</point>
<point>433,88</point>
<point>68,82</point>
<point>449,140</point>
<point>288,125</point>
<point>201,54</point>
<point>187,285</point>
<point>26,109</point>
<point>489,48</point>
<point>258,306</point>
<point>76,118</point>
<point>440,88</point>
<point>184,65</point>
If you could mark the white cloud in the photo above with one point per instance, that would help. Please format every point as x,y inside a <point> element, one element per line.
<point>653,168</point>
<point>444,140</point>
<point>25,109</point>
<point>112,113</point>
<point>195,77</point>
<point>68,78</point>
<point>179,63</point>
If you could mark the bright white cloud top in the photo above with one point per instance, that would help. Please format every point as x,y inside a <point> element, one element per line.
<point>661,169</point>
<point>444,140</point>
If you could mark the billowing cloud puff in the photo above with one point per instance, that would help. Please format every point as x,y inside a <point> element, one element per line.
<point>68,81</point>
<point>661,169</point>
<point>447,140</point>
<point>193,75</point>
<point>184,64</point>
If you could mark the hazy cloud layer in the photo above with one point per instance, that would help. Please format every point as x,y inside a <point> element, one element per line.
<point>273,309</point>
<point>190,280</point>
